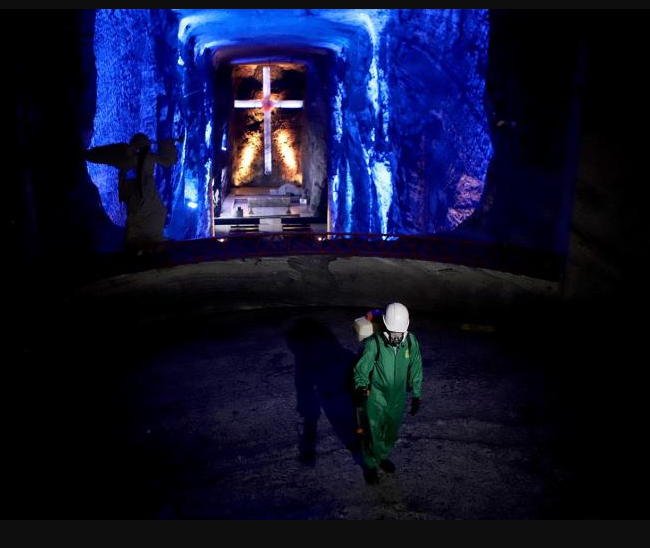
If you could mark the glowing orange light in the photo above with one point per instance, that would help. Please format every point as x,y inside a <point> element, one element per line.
<point>284,140</point>
<point>266,104</point>
<point>246,158</point>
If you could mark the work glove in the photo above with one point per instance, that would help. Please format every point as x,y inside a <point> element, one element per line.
<point>415,405</point>
<point>360,396</point>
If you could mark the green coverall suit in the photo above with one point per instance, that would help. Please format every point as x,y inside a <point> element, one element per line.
<point>396,369</point>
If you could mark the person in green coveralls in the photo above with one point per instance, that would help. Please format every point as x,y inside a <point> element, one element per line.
<point>381,386</point>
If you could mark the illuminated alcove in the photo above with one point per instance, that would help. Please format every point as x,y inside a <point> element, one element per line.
<point>272,113</point>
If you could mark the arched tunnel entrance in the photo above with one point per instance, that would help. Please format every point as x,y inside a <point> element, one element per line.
<point>365,152</point>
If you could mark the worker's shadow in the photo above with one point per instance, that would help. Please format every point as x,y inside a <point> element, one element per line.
<point>322,367</point>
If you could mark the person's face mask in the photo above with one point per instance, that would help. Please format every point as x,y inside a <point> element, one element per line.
<point>395,338</point>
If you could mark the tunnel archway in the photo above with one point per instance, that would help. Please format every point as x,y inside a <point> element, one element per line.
<point>392,164</point>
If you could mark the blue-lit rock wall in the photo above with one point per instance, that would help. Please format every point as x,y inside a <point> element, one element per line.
<point>127,91</point>
<point>411,146</point>
<point>144,85</point>
<point>439,118</point>
<point>190,216</point>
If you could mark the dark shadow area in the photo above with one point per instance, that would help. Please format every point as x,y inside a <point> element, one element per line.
<point>322,367</point>
<point>532,85</point>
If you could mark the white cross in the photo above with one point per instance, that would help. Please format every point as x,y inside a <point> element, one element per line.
<point>267,105</point>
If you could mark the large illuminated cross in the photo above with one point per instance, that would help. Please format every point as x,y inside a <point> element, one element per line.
<point>267,104</point>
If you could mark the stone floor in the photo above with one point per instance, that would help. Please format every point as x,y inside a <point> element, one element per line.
<point>109,417</point>
<point>204,425</point>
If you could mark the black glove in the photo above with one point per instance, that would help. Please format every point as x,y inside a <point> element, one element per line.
<point>415,405</point>
<point>360,396</point>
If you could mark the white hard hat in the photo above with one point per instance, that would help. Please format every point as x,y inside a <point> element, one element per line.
<point>396,317</point>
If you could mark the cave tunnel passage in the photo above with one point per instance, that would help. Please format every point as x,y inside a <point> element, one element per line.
<point>135,421</point>
<point>392,135</point>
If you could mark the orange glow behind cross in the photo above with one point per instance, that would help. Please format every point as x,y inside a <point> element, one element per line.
<point>266,104</point>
